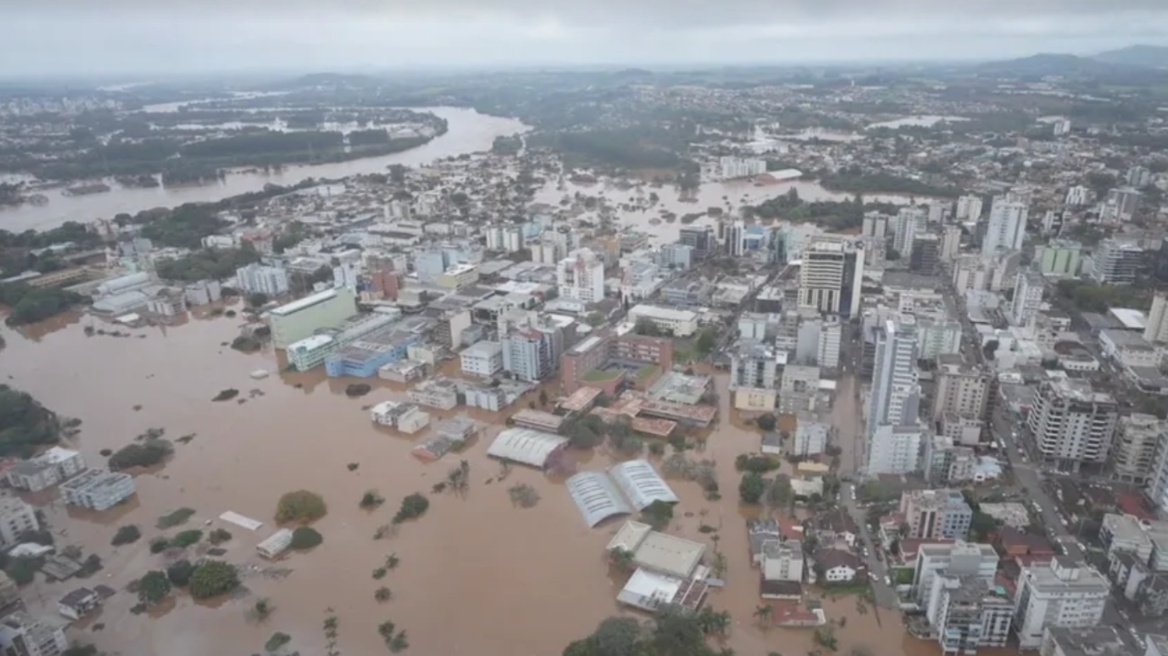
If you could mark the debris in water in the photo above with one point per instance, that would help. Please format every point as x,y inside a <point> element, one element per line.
<point>226,395</point>
<point>357,389</point>
<point>523,495</point>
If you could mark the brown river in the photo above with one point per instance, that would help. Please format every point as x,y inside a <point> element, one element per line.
<point>477,575</point>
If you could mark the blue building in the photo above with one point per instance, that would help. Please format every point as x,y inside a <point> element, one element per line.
<point>362,357</point>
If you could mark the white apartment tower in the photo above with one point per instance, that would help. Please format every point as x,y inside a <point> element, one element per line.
<point>909,221</point>
<point>961,390</point>
<point>1006,227</point>
<point>893,428</point>
<point>968,208</point>
<point>1072,423</point>
<point>256,278</point>
<point>1059,594</point>
<point>830,334</point>
<point>1156,329</point>
<point>1134,455</point>
<point>950,243</point>
<point>1027,297</point>
<point>580,276</point>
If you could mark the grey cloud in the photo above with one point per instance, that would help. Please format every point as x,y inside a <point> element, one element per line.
<point>81,36</point>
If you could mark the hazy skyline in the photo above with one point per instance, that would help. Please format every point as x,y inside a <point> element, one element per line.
<point>126,37</point>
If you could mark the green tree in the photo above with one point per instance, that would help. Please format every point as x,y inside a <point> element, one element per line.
<point>305,537</point>
<point>212,578</point>
<point>300,507</point>
<point>277,641</point>
<point>126,535</point>
<point>751,487</point>
<point>779,493</point>
<point>412,506</point>
<point>179,573</point>
<point>765,614</point>
<point>622,559</point>
<point>767,422</point>
<point>658,514</point>
<point>153,587</point>
<point>257,299</point>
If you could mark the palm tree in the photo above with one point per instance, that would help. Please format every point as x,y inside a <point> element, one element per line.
<point>765,614</point>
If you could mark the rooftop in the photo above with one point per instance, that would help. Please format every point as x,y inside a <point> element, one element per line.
<point>303,303</point>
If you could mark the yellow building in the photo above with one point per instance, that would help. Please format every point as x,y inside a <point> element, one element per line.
<point>757,400</point>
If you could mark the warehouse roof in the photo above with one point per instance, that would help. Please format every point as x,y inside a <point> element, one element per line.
<point>526,446</point>
<point>641,483</point>
<point>596,496</point>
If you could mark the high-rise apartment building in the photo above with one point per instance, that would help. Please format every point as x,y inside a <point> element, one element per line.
<point>954,559</point>
<point>909,222</point>
<point>830,276</point>
<point>950,243</point>
<point>16,519</point>
<point>1134,454</point>
<point>893,429</point>
<point>1157,485</point>
<point>1027,301</point>
<point>1156,327</point>
<point>1006,227</point>
<point>1062,593</point>
<point>830,336</point>
<point>970,614</point>
<point>968,208</point>
<point>256,278</point>
<point>580,276</point>
<point>1059,258</point>
<point>961,389</point>
<point>1073,424</point>
<point>926,254</point>
<point>753,365</point>
<point>936,514</point>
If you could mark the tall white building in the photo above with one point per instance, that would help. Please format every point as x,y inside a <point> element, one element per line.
<point>580,276</point>
<point>956,559</point>
<point>961,390</point>
<point>1027,297</point>
<point>1156,328</point>
<point>1157,486</point>
<point>738,167</point>
<point>1134,455</point>
<point>1116,262</point>
<point>893,429</point>
<point>909,221</point>
<point>1059,594</point>
<point>950,243</point>
<point>1072,423</point>
<point>968,208</point>
<point>1006,228</point>
<point>830,276</point>
<point>16,519</point>
<point>875,225</point>
<point>1079,196</point>
<point>830,335</point>
<point>259,279</point>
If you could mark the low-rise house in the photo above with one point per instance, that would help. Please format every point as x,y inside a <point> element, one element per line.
<point>78,603</point>
<point>761,531</point>
<point>835,524</point>
<point>772,443</point>
<point>1012,543</point>
<point>405,417</point>
<point>838,566</point>
<point>448,436</point>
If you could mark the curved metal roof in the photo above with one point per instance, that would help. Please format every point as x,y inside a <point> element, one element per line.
<point>526,446</point>
<point>641,483</point>
<point>596,497</point>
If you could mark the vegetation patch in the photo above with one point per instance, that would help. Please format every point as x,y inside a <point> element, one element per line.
<point>127,534</point>
<point>226,394</point>
<point>153,588</point>
<point>175,518</point>
<point>213,578</point>
<point>277,641</point>
<point>179,573</point>
<point>25,425</point>
<point>187,538</point>
<point>145,454</point>
<point>523,496</point>
<point>304,538</point>
<point>219,536</point>
<point>412,507</point>
<point>300,507</point>
<point>370,500</point>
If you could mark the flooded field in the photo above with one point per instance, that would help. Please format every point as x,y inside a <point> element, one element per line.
<point>477,575</point>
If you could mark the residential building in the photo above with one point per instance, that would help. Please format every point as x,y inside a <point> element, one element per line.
<point>894,432</point>
<point>968,209</point>
<point>256,278</point>
<point>1134,455</point>
<point>1027,301</point>
<point>936,514</point>
<point>482,359</point>
<point>961,389</point>
<point>405,417</point>
<point>1121,205</point>
<point>98,489</point>
<point>1116,262</point>
<point>811,435</point>
<point>23,635</point>
<point>950,243</point>
<point>580,276</point>
<point>700,238</point>
<point>1073,424</point>
<point>1061,593</point>
<point>78,603</point>
<point>970,614</point>
<point>1139,177</point>
<point>203,292</point>
<point>835,566</point>
<point>677,256</point>
<point>830,276</point>
<point>908,222</point>
<point>949,560</point>
<point>731,168</point>
<point>457,276</point>
<point>1089,641</point>
<point>782,560</point>
<point>894,450</point>
<point>1078,196</point>
<point>1157,486</point>
<point>679,323</point>
<point>1006,227</point>
<point>1129,350</point>
<point>16,519</point>
<point>753,365</point>
<point>532,353</point>
<point>925,257</point>
<point>1059,258</point>
<point>875,224</point>
<point>830,337</point>
<point>304,317</point>
<point>46,470</point>
<point>1156,327</point>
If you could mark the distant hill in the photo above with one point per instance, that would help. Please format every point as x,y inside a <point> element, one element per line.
<point>1139,55</point>
<point>1073,67</point>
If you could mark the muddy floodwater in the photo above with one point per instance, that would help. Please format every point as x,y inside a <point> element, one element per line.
<point>477,575</point>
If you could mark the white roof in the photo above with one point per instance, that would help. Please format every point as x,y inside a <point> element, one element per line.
<point>630,536</point>
<point>483,348</point>
<point>296,306</point>
<point>526,446</point>
<point>1131,319</point>
<point>669,554</point>
<point>641,483</point>
<point>659,312</point>
<point>57,455</point>
<point>311,343</point>
<point>596,497</point>
<point>649,590</point>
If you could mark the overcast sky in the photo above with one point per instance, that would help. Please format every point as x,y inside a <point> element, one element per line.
<point>125,37</point>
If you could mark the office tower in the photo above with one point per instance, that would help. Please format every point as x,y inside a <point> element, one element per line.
<point>1134,454</point>
<point>936,514</point>
<point>1116,262</point>
<point>909,221</point>
<point>1121,205</point>
<point>830,336</point>
<point>1027,297</point>
<point>1062,593</point>
<point>926,254</point>
<point>1156,328</point>
<point>700,239</point>
<point>735,238</point>
<point>1073,424</point>
<point>830,275</point>
<point>580,276</point>
<point>875,225</point>
<point>753,365</point>
<point>968,208</point>
<point>259,279</point>
<point>1138,177</point>
<point>1006,227</point>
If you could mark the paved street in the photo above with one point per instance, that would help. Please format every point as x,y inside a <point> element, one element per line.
<point>885,596</point>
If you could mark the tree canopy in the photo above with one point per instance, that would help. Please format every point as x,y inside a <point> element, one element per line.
<point>212,578</point>
<point>300,507</point>
<point>670,633</point>
<point>25,425</point>
<point>211,263</point>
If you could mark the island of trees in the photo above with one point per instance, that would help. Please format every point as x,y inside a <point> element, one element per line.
<point>25,425</point>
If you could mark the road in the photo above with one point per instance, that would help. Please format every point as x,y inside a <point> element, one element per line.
<point>884,595</point>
